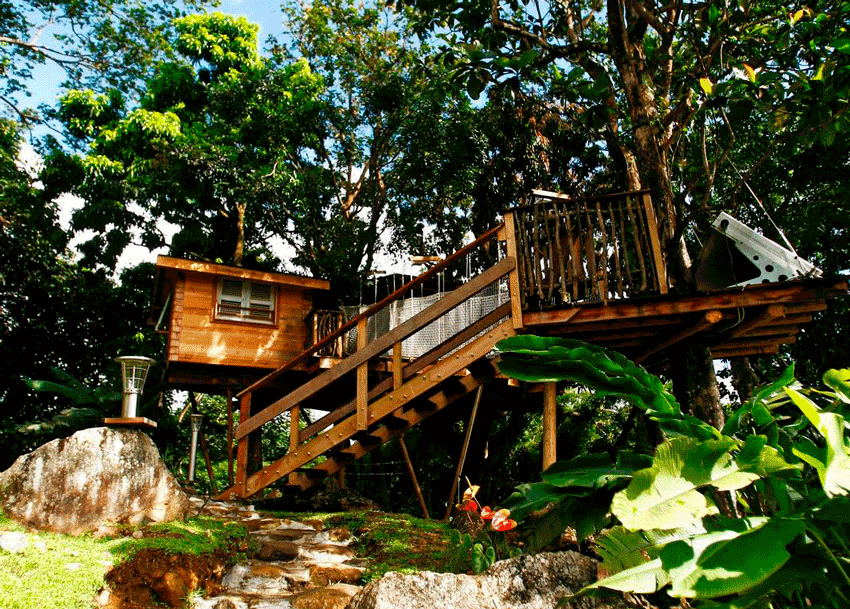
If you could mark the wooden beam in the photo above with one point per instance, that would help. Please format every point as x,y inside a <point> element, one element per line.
<point>550,424</point>
<point>513,278</point>
<point>378,346</point>
<point>398,364</point>
<point>413,479</point>
<point>752,296</point>
<point>767,316</point>
<point>210,268</point>
<point>229,398</point>
<point>242,449</point>
<point>362,378</point>
<point>464,449</point>
<point>657,254</point>
<point>294,427</point>
<point>709,319</point>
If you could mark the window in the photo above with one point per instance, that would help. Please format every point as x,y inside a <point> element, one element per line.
<point>245,301</point>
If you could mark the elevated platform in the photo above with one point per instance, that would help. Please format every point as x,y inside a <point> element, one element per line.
<point>735,322</point>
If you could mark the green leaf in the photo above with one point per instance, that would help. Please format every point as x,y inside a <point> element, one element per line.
<point>842,45</point>
<point>590,471</point>
<point>665,496</point>
<point>729,561</point>
<point>834,468</point>
<point>839,381</point>
<point>621,549</point>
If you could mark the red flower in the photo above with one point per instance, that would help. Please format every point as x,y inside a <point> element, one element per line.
<point>469,505</point>
<point>501,522</point>
<point>486,513</point>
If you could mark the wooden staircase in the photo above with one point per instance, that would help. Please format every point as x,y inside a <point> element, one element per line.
<point>380,410</point>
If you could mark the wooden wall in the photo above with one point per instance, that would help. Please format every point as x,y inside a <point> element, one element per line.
<point>195,336</point>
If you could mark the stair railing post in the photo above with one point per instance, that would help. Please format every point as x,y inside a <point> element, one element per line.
<point>294,427</point>
<point>362,378</point>
<point>229,398</point>
<point>657,255</point>
<point>513,276</point>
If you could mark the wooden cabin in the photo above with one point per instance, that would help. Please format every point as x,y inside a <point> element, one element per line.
<point>228,326</point>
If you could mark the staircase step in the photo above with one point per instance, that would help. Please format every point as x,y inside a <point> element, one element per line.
<point>482,368</point>
<point>394,422</point>
<point>341,456</point>
<point>421,404</point>
<point>367,439</point>
<point>312,472</point>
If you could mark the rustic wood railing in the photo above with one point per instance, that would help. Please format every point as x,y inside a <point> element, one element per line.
<point>357,364</point>
<point>574,250</point>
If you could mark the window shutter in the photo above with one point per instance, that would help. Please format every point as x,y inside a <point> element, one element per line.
<point>261,302</point>
<point>230,302</point>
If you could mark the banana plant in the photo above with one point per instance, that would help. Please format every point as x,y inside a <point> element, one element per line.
<point>792,541</point>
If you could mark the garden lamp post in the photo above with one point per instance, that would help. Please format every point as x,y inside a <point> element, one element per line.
<point>134,370</point>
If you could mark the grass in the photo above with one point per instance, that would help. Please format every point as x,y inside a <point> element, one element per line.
<point>394,542</point>
<point>63,571</point>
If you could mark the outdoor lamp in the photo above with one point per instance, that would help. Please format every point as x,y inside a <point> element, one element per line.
<point>134,369</point>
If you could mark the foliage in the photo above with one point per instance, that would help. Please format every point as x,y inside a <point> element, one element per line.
<point>111,42</point>
<point>671,534</point>
<point>488,544</point>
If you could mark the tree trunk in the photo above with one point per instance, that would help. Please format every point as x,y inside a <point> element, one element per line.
<point>695,384</point>
<point>744,378</point>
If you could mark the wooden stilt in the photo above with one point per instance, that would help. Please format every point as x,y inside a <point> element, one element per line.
<point>229,398</point>
<point>459,470</point>
<point>413,478</point>
<point>550,424</point>
<point>242,449</point>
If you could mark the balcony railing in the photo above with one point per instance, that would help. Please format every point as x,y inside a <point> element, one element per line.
<point>577,250</point>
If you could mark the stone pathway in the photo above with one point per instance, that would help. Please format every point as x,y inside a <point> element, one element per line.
<point>294,565</point>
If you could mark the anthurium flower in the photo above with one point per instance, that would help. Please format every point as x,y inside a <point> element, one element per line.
<point>471,492</point>
<point>501,521</point>
<point>468,505</point>
<point>487,513</point>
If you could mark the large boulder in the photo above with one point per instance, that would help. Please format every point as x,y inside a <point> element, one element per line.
<point>97,476</point>
<point>528,582</point>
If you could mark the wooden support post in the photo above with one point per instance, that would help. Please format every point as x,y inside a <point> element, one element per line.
<point>550,424</point>
<point>229,398</point>
<point>294,427</point>
<point>513,276</point>
<point>362,379</point>
<point>242,449</point>
<point>398,371</point>
<point>340,477</point>
<point>462,459</point>
<point>413,479</point>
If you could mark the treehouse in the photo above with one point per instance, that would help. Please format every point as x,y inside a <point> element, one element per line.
<point>591,269</point>
<point>227,326</point>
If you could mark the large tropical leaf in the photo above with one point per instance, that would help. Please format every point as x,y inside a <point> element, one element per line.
<point>833,466</point>
<point>666,495</point>
<point>594,470</point>
<point>731,559</point>
<point>621,549</point>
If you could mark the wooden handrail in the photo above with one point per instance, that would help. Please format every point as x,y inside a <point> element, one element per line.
<point>378,346</point>
<point>410,369</point>
<point>566,199</point>
<point>352,323</point>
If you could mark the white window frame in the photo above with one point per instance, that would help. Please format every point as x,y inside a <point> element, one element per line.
<point>250,305</point>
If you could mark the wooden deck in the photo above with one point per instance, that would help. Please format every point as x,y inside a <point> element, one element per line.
<point>607,286</point>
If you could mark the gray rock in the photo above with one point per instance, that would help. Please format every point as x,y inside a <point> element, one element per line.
<point>95,477</point>
<point>527,582</point>
<point>14,542</point>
